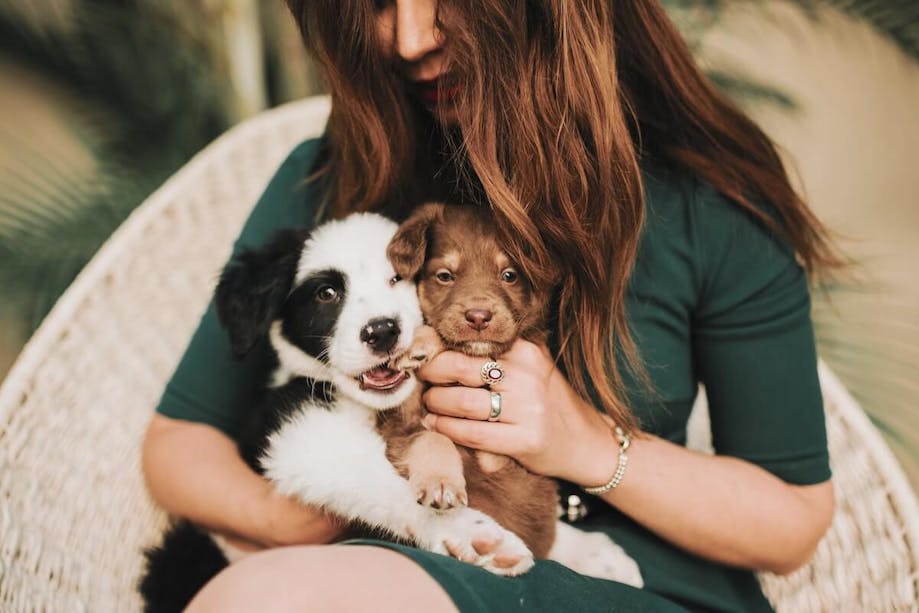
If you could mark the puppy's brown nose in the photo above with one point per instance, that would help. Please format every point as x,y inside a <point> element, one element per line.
<point>478,318</point>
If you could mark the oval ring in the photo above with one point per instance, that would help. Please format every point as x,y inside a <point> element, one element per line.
<point>491,372</point>
<point>495,413</point>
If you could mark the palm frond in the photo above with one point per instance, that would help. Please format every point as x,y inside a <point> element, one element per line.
<point>897,19</point>
<point>744,90</point>
<point>133,97</point>
<point>140,86</point>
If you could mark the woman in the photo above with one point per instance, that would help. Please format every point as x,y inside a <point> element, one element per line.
<point>612,165</point>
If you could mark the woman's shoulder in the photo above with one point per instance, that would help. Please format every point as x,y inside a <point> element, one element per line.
<point>307,150</point>
<point>291,198</point>
<point>729,251</point>
<point>299,164</point>
<point>673,194</point>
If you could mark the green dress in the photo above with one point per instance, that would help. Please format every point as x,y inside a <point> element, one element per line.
<point>714,298</point>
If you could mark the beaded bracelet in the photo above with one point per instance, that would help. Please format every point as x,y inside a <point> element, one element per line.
<point>624,442</point>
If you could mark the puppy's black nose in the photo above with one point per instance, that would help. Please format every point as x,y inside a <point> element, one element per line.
<point>381,334</point>
<point>478,318</point>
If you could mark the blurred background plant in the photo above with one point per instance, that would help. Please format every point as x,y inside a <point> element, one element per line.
<point>101,100</point>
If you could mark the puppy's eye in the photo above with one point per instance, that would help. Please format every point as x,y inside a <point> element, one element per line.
<point>509,275</point>
<point>444,276</point>
<point>395,279</point>
<point>326,293</point>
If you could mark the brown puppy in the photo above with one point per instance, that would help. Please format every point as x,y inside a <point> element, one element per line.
<point>478,302</point>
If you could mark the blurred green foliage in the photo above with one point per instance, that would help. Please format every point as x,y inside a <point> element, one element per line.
<point>132,95</point>
<point>104,100</point>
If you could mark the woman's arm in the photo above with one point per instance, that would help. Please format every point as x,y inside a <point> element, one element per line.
<point>721,508</point>
<point>219,491</point>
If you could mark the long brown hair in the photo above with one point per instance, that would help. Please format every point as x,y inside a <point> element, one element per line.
<point>560,103</point>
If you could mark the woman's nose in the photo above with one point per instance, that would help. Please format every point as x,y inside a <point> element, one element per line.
<point>416,29</point>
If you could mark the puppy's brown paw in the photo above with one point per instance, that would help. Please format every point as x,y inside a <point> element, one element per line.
<point>425,345</point>
<point>440,492</point>
<point>491,462</point>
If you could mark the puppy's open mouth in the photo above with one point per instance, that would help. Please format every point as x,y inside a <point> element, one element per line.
<point>382,378</point>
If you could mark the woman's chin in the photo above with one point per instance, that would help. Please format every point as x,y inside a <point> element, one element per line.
<point>443,112</point>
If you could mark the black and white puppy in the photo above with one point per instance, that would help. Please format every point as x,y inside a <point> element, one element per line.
<point>336,315</point>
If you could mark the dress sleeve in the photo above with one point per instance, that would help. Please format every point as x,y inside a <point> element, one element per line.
<point>753,344</point>
<point>210,386</point>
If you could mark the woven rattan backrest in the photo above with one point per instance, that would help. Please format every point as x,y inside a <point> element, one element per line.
<point>74,407</point>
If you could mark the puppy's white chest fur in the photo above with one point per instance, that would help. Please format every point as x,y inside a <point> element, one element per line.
<point>318,452</point>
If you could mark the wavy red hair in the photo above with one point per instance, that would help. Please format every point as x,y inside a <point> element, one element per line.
<point>561,103</point>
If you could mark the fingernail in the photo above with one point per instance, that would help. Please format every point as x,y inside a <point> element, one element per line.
<point>428,421</point>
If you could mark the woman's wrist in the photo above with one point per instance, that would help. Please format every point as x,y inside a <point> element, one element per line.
<point>272,518</point>
<point>622,462</point>
<point>593,457</point>
<point>260,516</point>
<point>602,464</point>
<point>278,520</point>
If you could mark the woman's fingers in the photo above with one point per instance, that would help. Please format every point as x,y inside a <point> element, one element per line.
<point>490,436</point>
<point>459,406</point>
<point>464,402</point>
<point>453,367</point>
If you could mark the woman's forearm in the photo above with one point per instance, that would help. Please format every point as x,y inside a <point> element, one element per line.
<point>194,471</point>
<point>721,508</point>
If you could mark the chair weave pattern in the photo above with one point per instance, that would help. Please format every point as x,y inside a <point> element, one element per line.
<point>74,514</point>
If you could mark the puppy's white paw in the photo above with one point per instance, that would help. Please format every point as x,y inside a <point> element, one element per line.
<point>472,536</point>
<point>594,554</point>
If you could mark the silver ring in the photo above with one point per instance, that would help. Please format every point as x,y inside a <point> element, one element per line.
<point>495,407</point>
<point>491,373</point>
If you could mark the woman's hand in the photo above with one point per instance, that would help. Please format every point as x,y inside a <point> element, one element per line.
<point>286,521</point>
<point>543,424</point>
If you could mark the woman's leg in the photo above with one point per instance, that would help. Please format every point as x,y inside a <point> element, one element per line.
<point>323,578</point>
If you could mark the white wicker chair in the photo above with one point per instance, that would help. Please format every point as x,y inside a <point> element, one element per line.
<point>74,512</point>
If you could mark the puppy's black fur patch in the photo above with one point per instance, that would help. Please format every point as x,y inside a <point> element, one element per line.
<point>254,287</point>
<point>310,313</point>
<point>178,568</point>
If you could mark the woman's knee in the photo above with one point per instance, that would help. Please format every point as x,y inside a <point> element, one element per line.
<point>314,578</point>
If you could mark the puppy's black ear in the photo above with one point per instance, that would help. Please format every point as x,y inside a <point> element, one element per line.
<point>254,286</point>
<point>407,248</point>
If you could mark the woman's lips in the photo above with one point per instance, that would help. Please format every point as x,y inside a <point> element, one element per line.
<point>437,92</point>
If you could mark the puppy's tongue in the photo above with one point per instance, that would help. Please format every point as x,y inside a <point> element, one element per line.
<point>382,378</point>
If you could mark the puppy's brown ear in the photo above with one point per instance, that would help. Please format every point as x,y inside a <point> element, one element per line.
<point>408,247</point>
